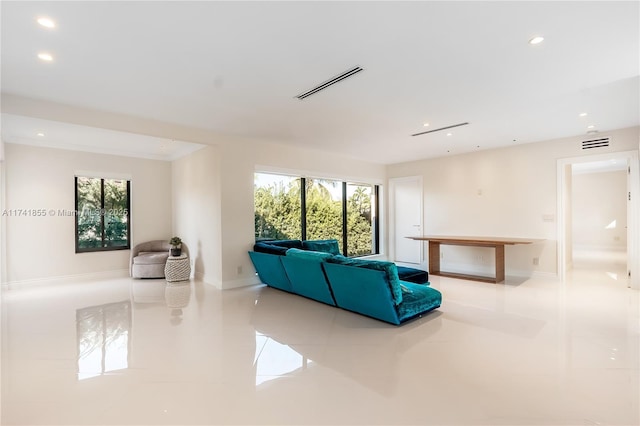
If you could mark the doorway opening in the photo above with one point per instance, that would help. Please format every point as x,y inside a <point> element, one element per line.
<point>599,228</point>
<point>598,216</point>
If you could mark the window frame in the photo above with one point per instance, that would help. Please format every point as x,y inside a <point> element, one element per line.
<point>102,216</point>
<point>375,209</point>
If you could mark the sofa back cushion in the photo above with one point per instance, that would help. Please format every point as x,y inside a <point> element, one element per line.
<point>278,247</point>
<point>389,268</point>
<point>317,256</point>
<point>269,248</point>
<point>327,246</point>
<point>285,243</point>
<point>270,270</point>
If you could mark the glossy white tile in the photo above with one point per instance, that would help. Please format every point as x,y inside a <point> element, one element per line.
<point>528,352</point>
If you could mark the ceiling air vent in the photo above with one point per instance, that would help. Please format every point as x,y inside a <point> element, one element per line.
<point>330,82</point>
<point>595,143</point>
<point>440,129</point>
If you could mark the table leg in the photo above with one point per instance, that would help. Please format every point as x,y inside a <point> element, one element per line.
<point>499,264</point>
<point>434,257</point>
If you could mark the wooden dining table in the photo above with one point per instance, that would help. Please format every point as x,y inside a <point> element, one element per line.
<point>498,243</point>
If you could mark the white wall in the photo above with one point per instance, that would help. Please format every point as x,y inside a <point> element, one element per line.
<point>598,200</point>
<point>503,192</point>
<point>43,178</point>
<point>196,210</point>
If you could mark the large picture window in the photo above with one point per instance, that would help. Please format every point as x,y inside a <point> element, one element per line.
<point>102,214</point>
<point>277,207</point>
<point>325,209</point>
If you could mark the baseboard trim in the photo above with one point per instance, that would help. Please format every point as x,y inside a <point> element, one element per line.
<point>227,285</point>
<point>242,282</point>
<point>546,275</point>
<point>103,275</point>
<point>201,276</point>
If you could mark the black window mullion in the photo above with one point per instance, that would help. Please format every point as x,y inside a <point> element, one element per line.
<point>102,212</point>
<point>376,220</point>
<point>344,219</point>
<point>303,208</point>
<point>128,214</point>
<point>77,213</point>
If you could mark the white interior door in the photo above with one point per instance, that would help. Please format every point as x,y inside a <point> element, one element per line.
<point>407,218</point>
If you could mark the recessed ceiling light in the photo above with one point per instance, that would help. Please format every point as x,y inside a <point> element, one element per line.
<point>46,22</point>
<point>536,40</point>
<point>40,134</point>
<point>449,134</point>
<point>591,126</point>
<point>45,56</point>
<point>426,124</point>
<point>583,114</point>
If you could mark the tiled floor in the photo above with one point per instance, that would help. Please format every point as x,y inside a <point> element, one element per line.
<point>529,352</point>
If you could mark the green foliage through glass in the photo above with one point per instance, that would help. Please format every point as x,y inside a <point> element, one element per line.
<point>278,211</point>
<point>277,207</point>
<point>102,214</point>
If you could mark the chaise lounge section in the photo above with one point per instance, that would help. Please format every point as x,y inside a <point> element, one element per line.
<point>368,287</point>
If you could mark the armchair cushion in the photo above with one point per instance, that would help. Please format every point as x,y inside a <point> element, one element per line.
<point>151,257</point>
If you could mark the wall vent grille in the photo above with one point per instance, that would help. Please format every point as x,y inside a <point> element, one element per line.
<point>595,143</point>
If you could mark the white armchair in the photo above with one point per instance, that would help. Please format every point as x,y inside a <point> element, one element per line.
<point>149,258</point>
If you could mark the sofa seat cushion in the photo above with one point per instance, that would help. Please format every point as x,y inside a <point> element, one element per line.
<point>151,258</point>
<point>413,275</point>
<point>419,300</point>
<point>327,246</point>
<point>389,268</point>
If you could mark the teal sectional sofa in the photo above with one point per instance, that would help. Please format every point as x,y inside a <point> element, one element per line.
<point>316,270</point>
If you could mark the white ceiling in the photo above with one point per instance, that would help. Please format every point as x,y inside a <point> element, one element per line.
<point>234,68</point>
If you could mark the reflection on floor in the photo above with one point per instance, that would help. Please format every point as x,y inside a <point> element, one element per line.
<point>589,258</point>
<point>529,352</point>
